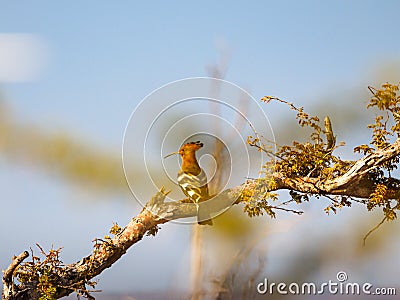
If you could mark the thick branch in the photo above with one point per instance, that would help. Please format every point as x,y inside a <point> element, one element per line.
<point>360,187</point>
<point>361,168</point>
<point>354,183</point>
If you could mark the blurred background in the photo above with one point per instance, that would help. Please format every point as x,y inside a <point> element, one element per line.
<point>72,73</point>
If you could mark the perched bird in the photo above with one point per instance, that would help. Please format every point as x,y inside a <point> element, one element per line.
<point>193,180</point>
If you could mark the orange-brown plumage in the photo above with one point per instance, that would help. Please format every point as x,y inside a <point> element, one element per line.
<point>189,160</point>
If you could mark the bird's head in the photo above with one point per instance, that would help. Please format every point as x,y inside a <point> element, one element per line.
<point>187,149</point>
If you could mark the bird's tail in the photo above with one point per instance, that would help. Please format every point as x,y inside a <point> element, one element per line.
<point>203,215</point>
<point>208,222</point>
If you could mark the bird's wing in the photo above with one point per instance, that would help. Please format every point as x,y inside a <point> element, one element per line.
<point>193,186</point>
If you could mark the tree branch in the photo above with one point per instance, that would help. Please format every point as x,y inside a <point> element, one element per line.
<point>355,182</point>
<point>8,284</point>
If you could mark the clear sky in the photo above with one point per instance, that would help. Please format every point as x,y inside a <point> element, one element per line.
<point>97,60</point>
<point>102,54</point>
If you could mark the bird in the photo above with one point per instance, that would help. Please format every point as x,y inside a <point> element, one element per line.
<point>193,180</point>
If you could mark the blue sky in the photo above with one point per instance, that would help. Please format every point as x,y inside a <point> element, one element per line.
<point>101,54</point>
<point>103,58</point>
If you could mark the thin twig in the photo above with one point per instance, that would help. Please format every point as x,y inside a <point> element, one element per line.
<point>330,198</point>
<point>372,230</point>
<point>299,212</point>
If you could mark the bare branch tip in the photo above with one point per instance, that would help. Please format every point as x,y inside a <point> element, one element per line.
<point>164,191</point>
<point>16,261</point>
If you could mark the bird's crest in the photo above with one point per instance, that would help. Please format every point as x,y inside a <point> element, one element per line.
<point>194,146</point>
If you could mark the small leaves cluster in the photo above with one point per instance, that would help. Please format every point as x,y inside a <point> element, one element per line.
<point>116,229</point>
<point>106,243</point>
<point>256,199</point>
<point>387,122</point>
<point>379,198</point>
<point>47,272</point>
<point>337,202</point>
<point>298,197</point>
<point>153,230</point>
<point>385,128</point>
<point>313,158</point>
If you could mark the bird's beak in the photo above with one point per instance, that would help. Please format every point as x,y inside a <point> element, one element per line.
<point>173,153</point>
